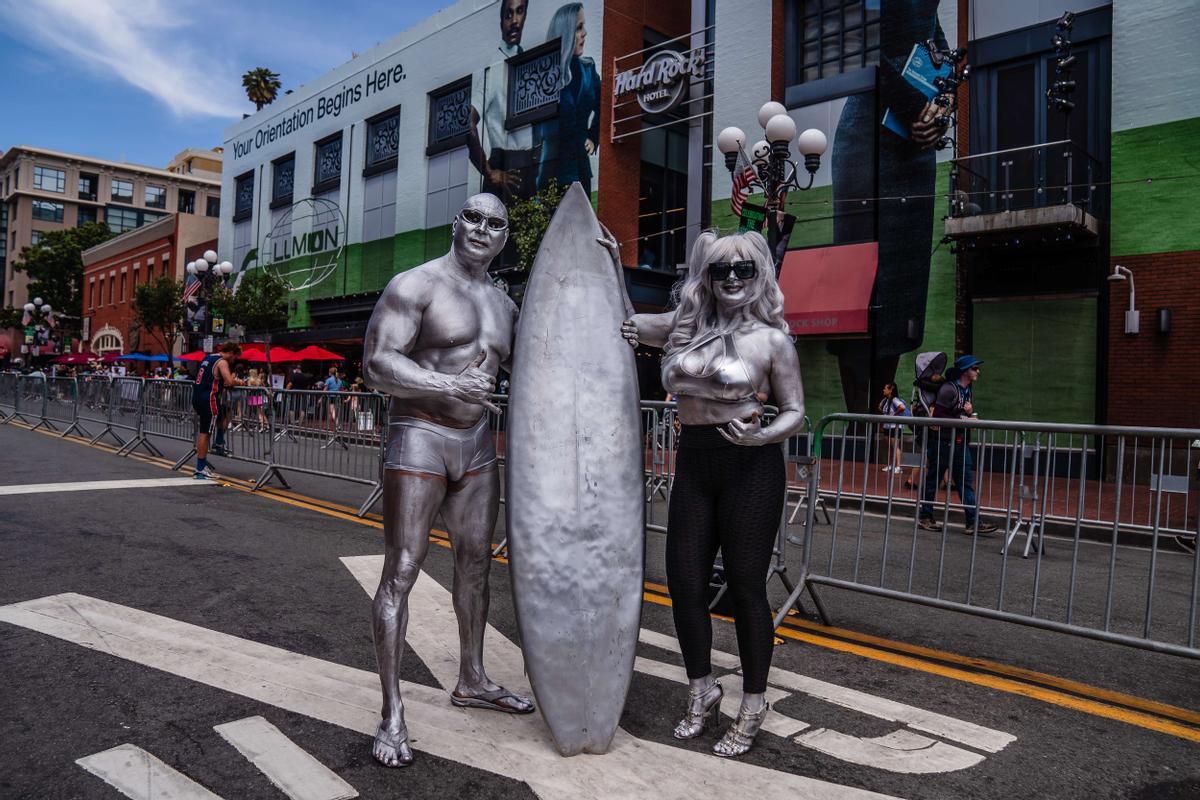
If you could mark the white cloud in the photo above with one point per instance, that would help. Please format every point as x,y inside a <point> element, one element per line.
<point>145,43</point>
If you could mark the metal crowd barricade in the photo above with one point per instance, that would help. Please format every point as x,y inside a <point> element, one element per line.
<point>94,407</point>
<point>62,404</point>
<point>8,396</point>
<point>1108,516</point>
<point>167,413</point>
<point>331,434</point>
<point>125,398</point>
<point>30,405</point>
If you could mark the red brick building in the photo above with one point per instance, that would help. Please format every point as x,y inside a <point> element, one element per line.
<point>113,270</point>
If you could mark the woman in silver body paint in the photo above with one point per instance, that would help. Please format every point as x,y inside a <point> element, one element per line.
<point>727,352</point>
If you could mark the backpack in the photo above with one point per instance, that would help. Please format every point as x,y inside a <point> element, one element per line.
<point>930,375</point>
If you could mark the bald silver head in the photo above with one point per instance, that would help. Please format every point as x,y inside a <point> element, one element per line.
<point>480,229</point>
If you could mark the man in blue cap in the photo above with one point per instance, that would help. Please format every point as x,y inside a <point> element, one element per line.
<point>951,447</point>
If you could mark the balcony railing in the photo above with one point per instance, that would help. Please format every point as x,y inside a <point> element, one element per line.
<point>1041,176</point>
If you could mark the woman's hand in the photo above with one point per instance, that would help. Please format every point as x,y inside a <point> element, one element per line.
<point>629,330</point>
<point>750,434</point>
<point>589,146</point>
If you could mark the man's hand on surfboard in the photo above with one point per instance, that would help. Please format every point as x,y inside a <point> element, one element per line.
<point>473,385</point>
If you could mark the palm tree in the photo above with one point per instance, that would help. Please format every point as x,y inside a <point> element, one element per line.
<point>261,86</point>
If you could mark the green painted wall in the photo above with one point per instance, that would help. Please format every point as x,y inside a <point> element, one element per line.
<point>1162,216</point>
<point>1040,359</point>
<point>814,227</point>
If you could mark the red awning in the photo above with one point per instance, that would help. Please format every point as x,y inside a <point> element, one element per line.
<point>826,290</point>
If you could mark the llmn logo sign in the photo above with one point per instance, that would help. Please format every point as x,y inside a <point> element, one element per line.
<point>306,243</point>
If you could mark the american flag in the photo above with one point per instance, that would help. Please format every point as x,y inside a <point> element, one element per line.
<point>743,176</point>
<point>190,289</point>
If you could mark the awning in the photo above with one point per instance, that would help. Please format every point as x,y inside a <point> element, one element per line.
<point>826,290</point>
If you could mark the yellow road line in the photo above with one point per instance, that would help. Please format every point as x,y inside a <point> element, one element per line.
<point>811,633</point>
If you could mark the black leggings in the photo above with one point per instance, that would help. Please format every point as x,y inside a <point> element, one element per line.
<point>730,497</point>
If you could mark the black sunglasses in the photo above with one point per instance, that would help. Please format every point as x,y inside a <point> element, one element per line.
<point>745,270</point>
<point>475,218</point>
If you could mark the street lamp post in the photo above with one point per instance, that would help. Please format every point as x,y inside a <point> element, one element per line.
<point>37,313</point>
<point>769,167</point>
<point>208,271</point>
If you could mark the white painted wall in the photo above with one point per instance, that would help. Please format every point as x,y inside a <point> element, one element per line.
<point>991,17</point>
<point>741,75</point>
<point>1156,62</point>
<point>459,40</point>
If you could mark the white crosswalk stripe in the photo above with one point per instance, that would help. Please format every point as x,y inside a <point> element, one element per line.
<point>513,746</point>
<point>140,776</point>
<point>296,773</point>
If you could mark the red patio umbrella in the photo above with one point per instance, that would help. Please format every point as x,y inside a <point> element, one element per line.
<point>257,355</point>
<point>195,355</point>
<point>74,358</point>
<point>314,353</point>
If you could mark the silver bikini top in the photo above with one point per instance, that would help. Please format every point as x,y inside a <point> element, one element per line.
<point>711,368</point>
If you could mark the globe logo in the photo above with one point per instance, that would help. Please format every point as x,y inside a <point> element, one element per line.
<point>306,243</point>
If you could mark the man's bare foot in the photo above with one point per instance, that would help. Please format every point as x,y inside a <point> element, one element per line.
<point>496,698</point>
<point>391,746</point>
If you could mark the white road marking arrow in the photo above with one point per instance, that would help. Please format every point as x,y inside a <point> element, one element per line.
<point>140,776</point>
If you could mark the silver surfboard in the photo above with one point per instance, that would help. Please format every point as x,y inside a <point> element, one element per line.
<point>574,508</point>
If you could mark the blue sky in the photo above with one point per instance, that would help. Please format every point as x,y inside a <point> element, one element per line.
<point>139,80</point>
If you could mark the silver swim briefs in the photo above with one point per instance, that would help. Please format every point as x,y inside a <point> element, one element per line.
<point>417,445</point>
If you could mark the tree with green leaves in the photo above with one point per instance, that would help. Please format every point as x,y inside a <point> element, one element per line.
<point>10,317</point>
<point>259,305</point>
<point>55,265</point>
<point>158,309</point>
<point>528,220</point>
<point>262,86</point>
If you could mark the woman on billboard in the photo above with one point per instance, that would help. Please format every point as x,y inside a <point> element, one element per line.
<point>567,142</point>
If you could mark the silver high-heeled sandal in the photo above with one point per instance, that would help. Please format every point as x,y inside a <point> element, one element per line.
<point>740,736</point>
<point>703,710</point>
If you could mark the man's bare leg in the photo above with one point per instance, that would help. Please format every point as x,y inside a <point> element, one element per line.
<point>409,505</point>
<point>469,511</point>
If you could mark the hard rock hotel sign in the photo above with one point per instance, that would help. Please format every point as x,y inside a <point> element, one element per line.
<point>658,84</point>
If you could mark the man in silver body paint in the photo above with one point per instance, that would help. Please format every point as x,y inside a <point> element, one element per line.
<point>435,342</point>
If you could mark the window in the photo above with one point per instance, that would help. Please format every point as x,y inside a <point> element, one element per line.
<point>123,275</point>
<point>122,191</point>
<point>121,219</point>
<point>35,238</point>
<point>283,178</point>
<point>187,201</point>
<point>446,187</point>
<point>833,37</point>
<point>327,171</point>
<point>379,206</point>
<point>533,85</point>
<point>91,293</point>
<point>212,207</point>
<point>383,142</point>
<point>89,186</point>
<point>449,117</point>
<point>105,342</point>
<point>85,214</point>
<point>47,211</point>
<point>243,197</point>
<point>242,241</point>
<point>100,293</point>
<point>49,180</point>
<point>156,197</point>
<point>112,285</point>
<point>662,202</point>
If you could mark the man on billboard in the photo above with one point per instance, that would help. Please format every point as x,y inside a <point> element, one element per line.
<point>506,162</point>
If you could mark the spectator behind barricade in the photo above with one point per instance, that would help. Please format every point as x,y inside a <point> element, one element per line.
<point>343,384</point>
<point>332,384</point>
<point>952,446</point>
<point>893,432</point>
<point>296,378</point>
<point>256,401</point>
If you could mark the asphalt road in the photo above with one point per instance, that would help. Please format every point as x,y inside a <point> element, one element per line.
<point>900,699</point>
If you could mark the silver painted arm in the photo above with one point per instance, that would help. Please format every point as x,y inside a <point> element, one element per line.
<point>391,335</point>
<point>651,329</point>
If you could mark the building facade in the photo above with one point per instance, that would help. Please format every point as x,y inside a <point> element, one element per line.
<point>44,190</point>
<point>114,269</point>
<point>907,240</point>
